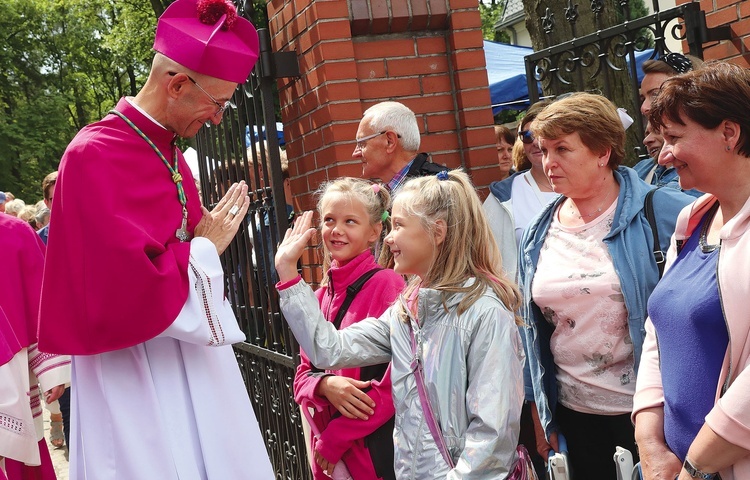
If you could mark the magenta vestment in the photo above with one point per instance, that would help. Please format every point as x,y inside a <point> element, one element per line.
<point>22,258</point>
<point>116,275</point>
<point>9,345</point>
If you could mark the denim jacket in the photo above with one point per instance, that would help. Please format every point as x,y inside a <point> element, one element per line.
<point>630,244</point>
<point>663,176</point>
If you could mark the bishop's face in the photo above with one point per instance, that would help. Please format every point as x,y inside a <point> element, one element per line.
<point>200,102</point>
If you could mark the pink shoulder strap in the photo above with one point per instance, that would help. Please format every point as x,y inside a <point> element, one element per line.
<point>418,369</point>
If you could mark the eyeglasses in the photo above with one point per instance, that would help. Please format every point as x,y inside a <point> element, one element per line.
<point>222,107</point>
<point>526,136</point>
<point>362,141</point>
<point>679,62</point>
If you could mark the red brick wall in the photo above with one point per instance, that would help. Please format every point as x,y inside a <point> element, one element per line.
<point>426,54</point>
<point>736,13</point>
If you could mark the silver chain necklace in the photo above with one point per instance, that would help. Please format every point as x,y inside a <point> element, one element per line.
<point>596,212</point>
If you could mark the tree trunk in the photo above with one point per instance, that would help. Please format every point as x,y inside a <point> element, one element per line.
<point>132,79</point>
<point>159,6</point>
<point>585,67</point>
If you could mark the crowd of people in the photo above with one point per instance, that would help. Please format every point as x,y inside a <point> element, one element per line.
<point>37,214</point>
<point>583,306</point>
<point>587,240</point>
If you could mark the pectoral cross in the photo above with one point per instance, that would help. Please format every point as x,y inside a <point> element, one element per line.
<point>182,233</point>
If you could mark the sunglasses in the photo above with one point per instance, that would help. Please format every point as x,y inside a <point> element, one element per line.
<point>678,62</point>
<point>526,136</point>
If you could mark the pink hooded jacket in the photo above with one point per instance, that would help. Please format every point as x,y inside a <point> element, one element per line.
<point>730,416</point>
<point>343,437</point>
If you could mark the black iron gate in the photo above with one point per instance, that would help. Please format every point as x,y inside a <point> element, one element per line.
<point>569,65</point>
<point>229,152</point>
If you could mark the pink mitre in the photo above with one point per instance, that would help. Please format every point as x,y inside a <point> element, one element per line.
<point>208,37</point>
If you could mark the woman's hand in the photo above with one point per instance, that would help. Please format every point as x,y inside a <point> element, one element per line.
<point>347,396</point>
<point>54,393</point>
<point>542,446</point>
<point>221,224</point>
<point>290,250</point>
<point>658,462</point>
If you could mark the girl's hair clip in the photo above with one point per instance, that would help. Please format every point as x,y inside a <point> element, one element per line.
<point>442,175</point>
<point>385,216</point>
<point>376,188</point>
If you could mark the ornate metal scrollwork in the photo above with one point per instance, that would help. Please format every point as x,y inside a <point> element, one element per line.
<point>597,6</point>
<point>679,26</point>
<point>246,9</point>
<point>571,12</point>
<point>591,59</point>
<point>548,21</point>
<point>542,69</point>
<point>270,388</point>
<point>567,63</point>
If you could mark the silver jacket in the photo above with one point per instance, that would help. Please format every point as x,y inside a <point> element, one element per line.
<point>473,367</point>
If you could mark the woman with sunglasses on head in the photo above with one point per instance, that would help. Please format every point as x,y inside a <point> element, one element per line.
<point>656,72</point>
<point>516,200</point>
<point>587,268</point>
<point>691,406</point>
<point>510,207</point>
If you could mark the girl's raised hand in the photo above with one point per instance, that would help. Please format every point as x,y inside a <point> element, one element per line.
<point>290,250</point>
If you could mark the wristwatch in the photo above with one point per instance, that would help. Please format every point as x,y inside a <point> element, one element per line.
<point>695,473</point>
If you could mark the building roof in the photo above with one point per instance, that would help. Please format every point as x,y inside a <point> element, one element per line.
<point>512,14</point>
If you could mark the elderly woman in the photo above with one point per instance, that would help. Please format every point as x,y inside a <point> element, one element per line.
<point>692,408</point>
<point>587,268</point>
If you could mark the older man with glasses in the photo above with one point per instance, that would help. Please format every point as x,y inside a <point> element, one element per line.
<point>133,287</point>
<point>387,143</point>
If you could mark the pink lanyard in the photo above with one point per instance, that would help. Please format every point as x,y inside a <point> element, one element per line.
<point>418,369</point>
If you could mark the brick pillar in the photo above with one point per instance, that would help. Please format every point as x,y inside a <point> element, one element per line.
<point>736,13</point>
<point>427,54</point>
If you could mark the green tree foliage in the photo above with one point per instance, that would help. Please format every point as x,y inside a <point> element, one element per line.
<point>636,9</point>
<point>63,65</point>
<point>491,11</point>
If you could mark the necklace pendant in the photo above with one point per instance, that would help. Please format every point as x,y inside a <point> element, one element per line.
<point>182,233</point>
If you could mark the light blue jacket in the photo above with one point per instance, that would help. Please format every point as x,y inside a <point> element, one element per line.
<point>663,176</point>
<point>630,244</point>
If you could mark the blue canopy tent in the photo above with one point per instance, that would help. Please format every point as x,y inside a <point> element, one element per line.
<point>506,72</point>
<point>255,138</point>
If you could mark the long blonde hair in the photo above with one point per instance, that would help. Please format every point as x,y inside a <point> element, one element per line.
<point>376,200</point>
<point>468,250</point>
